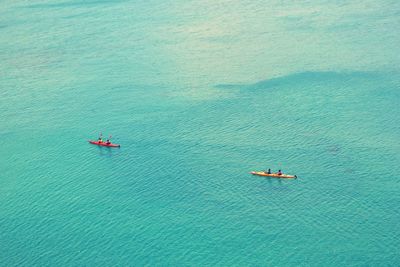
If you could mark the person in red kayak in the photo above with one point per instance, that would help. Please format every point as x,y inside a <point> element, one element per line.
<point>108,140</point>
<point>100,140</point>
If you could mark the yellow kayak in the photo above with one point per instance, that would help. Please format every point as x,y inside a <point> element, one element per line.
<point>274,175</point>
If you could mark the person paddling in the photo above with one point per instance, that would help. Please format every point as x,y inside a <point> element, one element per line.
<point>268,172</point>
<point>100,138</point>
<point>279,172</point>
<point>108,140</point>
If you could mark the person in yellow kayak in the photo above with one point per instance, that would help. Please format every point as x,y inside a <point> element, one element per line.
<point>268,172</point>
<point>279,172</point>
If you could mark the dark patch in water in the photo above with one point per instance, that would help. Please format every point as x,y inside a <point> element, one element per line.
<point>75,3</point>
<point>302,77</point>
<point>333,149</point>
<point>75,16</point>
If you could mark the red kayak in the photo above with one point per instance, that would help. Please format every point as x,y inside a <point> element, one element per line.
<point>103,144</point>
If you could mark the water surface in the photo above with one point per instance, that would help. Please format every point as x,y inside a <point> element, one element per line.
<point>198,94</point>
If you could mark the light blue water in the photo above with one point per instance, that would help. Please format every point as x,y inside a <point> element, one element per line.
<point>199,93</point>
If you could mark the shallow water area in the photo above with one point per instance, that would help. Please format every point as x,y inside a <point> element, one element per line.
<point>199,94</point>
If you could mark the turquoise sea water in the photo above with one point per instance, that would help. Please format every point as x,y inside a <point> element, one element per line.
<point>199,93</point>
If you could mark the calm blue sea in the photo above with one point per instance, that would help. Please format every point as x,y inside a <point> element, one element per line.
<point>199,93</point>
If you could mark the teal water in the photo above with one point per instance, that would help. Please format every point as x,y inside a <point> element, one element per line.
<point>199,93</point>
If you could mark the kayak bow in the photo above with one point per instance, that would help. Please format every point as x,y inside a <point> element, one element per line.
<point>274,175</point>
<point>103,144</point>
